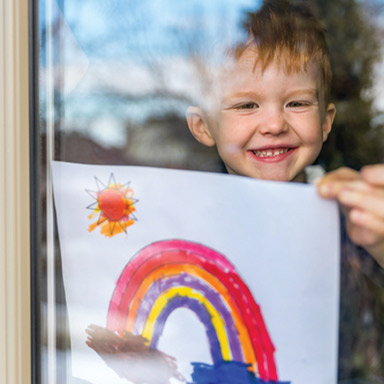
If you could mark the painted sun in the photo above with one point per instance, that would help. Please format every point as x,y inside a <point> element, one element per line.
<point>113,208</point>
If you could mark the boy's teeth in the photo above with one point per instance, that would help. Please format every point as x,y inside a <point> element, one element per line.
<point>270,152</point>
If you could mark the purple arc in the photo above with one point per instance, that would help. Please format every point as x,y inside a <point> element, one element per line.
<point>184,280</point>
<point>203,315</point>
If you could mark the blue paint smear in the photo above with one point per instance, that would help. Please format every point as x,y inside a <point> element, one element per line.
<point>226,372</point>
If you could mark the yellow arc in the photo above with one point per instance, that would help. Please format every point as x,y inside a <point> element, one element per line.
<point>217,321</point>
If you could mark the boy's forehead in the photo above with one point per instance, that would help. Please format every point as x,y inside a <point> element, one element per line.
<point>248,65</point>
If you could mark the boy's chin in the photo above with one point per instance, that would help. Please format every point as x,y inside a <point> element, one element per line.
<point>300,178</point>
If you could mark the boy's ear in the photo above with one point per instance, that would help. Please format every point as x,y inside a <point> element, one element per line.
<point>330,114</point>
<point>198,126</point>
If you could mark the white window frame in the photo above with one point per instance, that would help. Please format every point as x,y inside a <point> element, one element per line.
<point>15,312</point>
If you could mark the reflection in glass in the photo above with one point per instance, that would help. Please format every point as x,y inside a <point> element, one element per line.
<point>116,77</point>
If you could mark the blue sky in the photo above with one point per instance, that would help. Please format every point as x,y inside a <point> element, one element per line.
<point>126,27</point>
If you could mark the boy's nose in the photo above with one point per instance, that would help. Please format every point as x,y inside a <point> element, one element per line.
<point>273,123</point>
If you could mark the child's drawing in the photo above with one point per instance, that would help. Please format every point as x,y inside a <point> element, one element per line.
<point>174,274</point>
<point>205,288</point>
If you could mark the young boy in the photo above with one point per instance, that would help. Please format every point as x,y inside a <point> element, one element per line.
<point>272,114</point>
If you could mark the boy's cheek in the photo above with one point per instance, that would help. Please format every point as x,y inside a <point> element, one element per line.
<point>230,148</point>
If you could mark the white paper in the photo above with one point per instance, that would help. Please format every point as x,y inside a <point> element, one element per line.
<point>281,239</point>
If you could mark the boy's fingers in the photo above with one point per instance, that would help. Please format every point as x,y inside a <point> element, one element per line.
<point>371,200</point>
<point>330,185</point>
<point>373,174</point>
<point>332,189</point>
<point>341,174</point>
<point>368,229</point>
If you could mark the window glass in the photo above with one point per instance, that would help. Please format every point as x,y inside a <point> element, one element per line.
<point>115,79</point>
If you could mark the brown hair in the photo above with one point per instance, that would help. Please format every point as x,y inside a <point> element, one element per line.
<point>290,35</point>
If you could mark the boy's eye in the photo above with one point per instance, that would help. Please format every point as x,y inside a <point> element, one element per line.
<point>246,106</point>
<point>296,104</point>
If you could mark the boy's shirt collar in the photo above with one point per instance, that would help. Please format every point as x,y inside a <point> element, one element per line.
<point>313,172</point>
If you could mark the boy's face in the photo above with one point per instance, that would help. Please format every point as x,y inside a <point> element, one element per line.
<point>270,124</point>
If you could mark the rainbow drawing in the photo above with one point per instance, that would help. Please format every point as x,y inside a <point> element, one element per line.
<point>171,274</point>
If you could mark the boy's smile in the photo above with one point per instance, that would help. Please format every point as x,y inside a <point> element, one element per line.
<point>271,124</point>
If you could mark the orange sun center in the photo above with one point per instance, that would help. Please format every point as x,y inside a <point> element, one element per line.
<point>112,204</point>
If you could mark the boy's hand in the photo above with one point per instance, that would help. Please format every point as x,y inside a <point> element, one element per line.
<point>361,195</point>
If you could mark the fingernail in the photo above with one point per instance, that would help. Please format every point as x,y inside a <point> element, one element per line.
<point>323,190</point>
